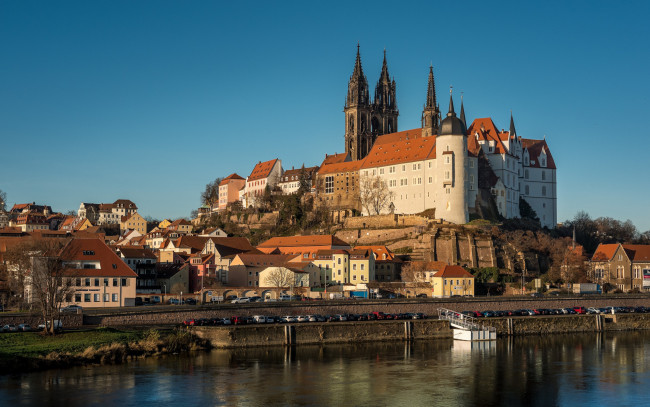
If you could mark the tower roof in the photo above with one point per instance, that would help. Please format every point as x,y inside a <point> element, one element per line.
<point>462,111</point>
<point>358,85</point>
<point>513,132</point>
<point>431,91</point>
<point>452,125</point>
<point>385,89</point>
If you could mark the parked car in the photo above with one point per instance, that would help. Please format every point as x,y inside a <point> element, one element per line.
<point>58,325</point>
<point>255,299</point>
<point>190,322</point>
<point>226,321</point>
<point>190,301</point>
<point>580,310</point>
<point>10,328</point>
<point>24,327</point>
<point>289,318</point>
<point>259,319</point>
<point>593,310</point>
<point>240,300</point>
<point>71,309</point>
<point>237,320</point>
<point>421,295</point>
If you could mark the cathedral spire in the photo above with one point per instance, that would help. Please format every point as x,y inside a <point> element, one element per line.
<point>513,132</point>
<point>462,110</point>
<point>358,93</point>
<point>431,90</point>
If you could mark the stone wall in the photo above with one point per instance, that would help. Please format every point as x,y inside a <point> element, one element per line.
<point>385,221</point>
<point>377,236</point>
<point>323,333</point>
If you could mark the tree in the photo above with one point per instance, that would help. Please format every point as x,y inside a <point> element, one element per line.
<point>526,211</point>
<point>279,277</point>
<point>415,273</point>
<point>305,184</point>
<point>374,194</point>
<point>210,196</point>
<point>50,282</point>
<point>3,201</point>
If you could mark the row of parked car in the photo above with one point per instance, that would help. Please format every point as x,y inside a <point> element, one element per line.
<point>16,328</point>
<point>556,311</point>
<point>262,319</point>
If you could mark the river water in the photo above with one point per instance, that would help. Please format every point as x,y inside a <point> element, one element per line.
<point>563,370</point>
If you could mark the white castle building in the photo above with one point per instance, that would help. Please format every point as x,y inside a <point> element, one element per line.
<point>444,165</point>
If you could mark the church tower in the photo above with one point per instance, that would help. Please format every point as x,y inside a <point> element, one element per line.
<point>431,112</point>
<point>451,169</point>
<point>358,138</point>
<point>384,107</point>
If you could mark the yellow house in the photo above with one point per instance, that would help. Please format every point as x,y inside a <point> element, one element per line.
<point>163,225</point>
<point>362,266</point>
<point>452,280</point>
<point>135,222</point>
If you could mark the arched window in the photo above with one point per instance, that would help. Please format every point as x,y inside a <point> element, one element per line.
<point>544,190</point>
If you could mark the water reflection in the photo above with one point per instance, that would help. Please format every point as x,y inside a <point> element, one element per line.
<point>541,370</point>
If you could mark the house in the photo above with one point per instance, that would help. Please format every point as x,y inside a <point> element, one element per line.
<point>452,280</point>
<point>290,181</point>
<point>101,278</point>
<point>181,226</point>
<point>173,278</point>
<point>245,268</point>
<point>124,207</point>
<point>213,232</point>
<point>143,262</point>
<point>306,246</point>
<point>346,266</point>
<point>623,266</point>
<point>164,223</point>
<point>337,187</point>
<point>31,221</point>
<point>265,174</point>
<point>283,278</point>
<point>133,221</point>
<point>387,265</point>
<point>229,188</point>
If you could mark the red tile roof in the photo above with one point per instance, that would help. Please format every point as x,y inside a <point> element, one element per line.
<point>348,166</point>
<point>298,241</point>
<point>605,252</point>
<point>262,170</point>
<point>252,260</point>
<point>453,272</point>
<point>487,130</point>
<point>399,136</point>
<point>111,265</point>
<point>379,251</point>
<point>638,252</point>
<point>335,158</point>
<point>402,150</point>
<point>230,177</point>
<point>535,148</point>
<point>295,173</point>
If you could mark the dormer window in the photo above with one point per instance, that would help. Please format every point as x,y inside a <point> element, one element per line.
<point>542,161</point>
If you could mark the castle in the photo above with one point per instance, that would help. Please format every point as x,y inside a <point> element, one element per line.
<point>457,170</point>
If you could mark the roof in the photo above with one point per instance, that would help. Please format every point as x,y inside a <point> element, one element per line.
<point>638,252</point>
<point>265,259</point>
<point>487,131</point>
<point>535,148</point>
<point>335,158</point>
<point>453,272</point>
<point>295,173</point>
<point>262,170</point>
<point>348,166</point>
<point>230,177</point>
<point>297,241</point>
<point>136,253</point>
<point>605,252</point>
<point>400,135</point>
<point>111,265</point>
<point>125,203</point>
<point>403,150</point>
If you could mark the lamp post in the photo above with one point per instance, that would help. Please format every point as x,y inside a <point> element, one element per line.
<point>164,292</point>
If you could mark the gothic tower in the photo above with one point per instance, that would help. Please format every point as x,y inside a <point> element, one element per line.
<point>431,112</point>
<point>384,107</point>
<point>358,138</point>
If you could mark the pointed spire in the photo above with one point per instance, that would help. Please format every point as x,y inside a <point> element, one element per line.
<point>451,103</point>
<point>431,90</point>
<point>513,132</point>
<point>358,70</point>
<point>462,110</point>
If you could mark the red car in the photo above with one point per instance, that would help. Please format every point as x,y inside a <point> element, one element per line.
<point>580,310</point>
<point>189,322</point>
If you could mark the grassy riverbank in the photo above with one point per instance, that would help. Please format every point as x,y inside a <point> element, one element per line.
<point>34,350</point>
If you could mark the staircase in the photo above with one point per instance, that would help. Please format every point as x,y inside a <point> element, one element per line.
<point>467,328</point>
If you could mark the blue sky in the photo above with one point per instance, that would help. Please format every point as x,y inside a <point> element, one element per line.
<point>150,100</point>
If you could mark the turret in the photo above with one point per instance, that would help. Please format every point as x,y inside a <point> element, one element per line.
<point>357,113</point>
<point>384,107</point>
<point>430,113</point>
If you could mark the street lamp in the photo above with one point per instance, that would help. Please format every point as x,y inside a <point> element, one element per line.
<point>164,292</point>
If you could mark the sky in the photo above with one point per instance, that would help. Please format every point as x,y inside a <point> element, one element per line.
<point>151,100</point>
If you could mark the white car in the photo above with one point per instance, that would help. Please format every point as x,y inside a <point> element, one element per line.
<point>226,321</point>
<point>259,319</point>
<point>302,318</point>
<point>289,318</point>
<point>240,300</point>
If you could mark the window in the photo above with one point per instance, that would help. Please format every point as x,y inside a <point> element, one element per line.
<point>115,282</point>
<point>354,267</point>
<point>105,282</point>
<point>124,282</point>
<point>471,163</point>
<point>107,297</point>
<point>77,298</point>
<point>329,184</point>
<point>544,190</point>
<point>86,297</point>
<point>447,175</point>
<point>430,180</point>
<point>96,282</point>
<point>96,297</point>
<point>527,188</point>
<point>415,167</point>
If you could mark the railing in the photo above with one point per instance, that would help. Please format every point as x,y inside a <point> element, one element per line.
<point>463,321</point>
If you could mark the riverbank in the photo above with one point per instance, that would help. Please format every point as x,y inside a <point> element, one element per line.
<point>409,330</point>
<point>27,351</point>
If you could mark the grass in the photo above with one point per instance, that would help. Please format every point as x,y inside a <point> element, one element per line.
<point>34,344</point>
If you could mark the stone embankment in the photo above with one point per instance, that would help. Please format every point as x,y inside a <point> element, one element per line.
<point>68,320</point>
<point>409,330</point>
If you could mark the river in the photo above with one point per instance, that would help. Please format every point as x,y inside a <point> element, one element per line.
<point>558,370</point>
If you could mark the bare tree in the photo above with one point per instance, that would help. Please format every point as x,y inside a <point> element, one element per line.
<point>210,195</point>
<point>50,282</point>
<point>279,278</point>
<point>374,194</point>
<point>3,201</point>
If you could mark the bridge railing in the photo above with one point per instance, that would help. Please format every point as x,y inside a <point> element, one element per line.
<point>463,321</point>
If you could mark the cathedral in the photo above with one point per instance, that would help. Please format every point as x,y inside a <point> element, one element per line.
<point>460,171</point>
